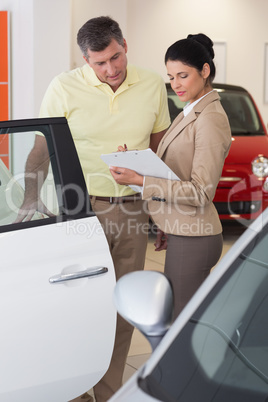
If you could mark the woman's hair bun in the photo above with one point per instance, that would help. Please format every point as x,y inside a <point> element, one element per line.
<point>194,51</point>
<point>205,41</point>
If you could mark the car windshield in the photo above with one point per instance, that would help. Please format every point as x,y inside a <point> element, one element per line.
<point>222,352</point>
<point>238,106</point>
<point>241,113</point>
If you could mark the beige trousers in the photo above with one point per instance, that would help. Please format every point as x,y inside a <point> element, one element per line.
<point>126,228</point>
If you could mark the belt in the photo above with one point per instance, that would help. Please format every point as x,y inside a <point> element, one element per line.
<point>118,200</point>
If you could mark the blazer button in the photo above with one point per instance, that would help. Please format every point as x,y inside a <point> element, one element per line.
<point>158,199</point>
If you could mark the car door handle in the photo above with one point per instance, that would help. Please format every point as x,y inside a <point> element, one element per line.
<point>90,272</point>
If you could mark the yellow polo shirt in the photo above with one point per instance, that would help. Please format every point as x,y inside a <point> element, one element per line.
<point>100,119</point>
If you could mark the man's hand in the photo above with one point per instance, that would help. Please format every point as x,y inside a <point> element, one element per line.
<point>122,149</point>
<point>29,208</point>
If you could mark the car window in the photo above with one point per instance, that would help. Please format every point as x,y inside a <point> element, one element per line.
<point>240,109</point>
<point>63,192</point>
<point>222,352</point>
<point>12,181</point>
<point>241,113</point>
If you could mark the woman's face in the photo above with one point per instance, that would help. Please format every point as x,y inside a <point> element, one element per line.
<point>187,82</point>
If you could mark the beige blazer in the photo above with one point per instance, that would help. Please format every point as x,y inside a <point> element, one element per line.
<point>195,148</point>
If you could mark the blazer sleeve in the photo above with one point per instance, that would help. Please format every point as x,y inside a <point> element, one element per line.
<point>212,140</point>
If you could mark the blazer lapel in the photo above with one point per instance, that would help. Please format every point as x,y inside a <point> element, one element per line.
<point>181,122</point>
<point>176,128</point>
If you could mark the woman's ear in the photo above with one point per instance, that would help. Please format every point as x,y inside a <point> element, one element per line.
<point>206,71</point>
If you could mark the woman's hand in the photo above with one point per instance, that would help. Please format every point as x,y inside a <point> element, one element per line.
<point>161,241</point>
<point>126,176</point>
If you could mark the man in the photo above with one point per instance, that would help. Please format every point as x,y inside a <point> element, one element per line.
<point>107,103</point>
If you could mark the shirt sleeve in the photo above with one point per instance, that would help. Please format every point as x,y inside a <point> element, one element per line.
<point>162,121</point>
<point>53,103</point>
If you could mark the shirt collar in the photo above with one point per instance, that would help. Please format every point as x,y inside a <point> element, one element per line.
<point>91,78</point>
<point>187,108</point>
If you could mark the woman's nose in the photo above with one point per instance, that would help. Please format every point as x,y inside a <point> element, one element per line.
<point>175,83</point>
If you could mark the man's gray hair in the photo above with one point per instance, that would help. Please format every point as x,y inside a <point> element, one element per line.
<point>97,33</point>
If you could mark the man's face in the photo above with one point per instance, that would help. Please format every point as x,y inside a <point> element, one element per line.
<point>110,64</point>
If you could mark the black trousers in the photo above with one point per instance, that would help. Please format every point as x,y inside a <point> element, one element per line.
<point>188,262</point>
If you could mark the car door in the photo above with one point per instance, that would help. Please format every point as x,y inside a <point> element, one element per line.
<point>57,276</point>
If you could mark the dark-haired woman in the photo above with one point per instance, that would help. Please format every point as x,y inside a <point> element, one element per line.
<point>194,147</point>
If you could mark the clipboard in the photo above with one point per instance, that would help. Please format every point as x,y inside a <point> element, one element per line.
<point>144,162</point>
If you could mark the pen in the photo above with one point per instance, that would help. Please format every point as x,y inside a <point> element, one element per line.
<point>125,147</point>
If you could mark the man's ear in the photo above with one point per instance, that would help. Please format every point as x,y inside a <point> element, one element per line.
<point>86,60</point>
<point>125,45</point>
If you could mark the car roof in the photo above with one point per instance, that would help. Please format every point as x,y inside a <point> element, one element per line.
<point>229,87</point>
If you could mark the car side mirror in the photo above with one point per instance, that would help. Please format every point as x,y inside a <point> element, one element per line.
<point>145,300</point>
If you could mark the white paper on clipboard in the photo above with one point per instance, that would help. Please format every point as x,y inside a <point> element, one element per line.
<point>144,162</point>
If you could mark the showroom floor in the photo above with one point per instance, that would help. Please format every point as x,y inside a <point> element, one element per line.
<point>140,349</point>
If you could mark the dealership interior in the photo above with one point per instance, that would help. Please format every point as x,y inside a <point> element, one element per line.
<point>42,44</point>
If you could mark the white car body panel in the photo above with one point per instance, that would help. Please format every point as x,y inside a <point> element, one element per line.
<point>56,340</point>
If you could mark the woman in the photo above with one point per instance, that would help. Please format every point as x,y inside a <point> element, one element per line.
<point>194,147</point>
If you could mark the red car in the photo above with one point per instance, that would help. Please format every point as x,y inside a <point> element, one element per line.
<point>242,192</point>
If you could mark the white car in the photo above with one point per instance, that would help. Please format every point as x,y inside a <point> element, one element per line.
<point>217,348</point>
<point>57,277</point>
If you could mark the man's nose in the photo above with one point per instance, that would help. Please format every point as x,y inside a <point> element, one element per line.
<point>111,69</point>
